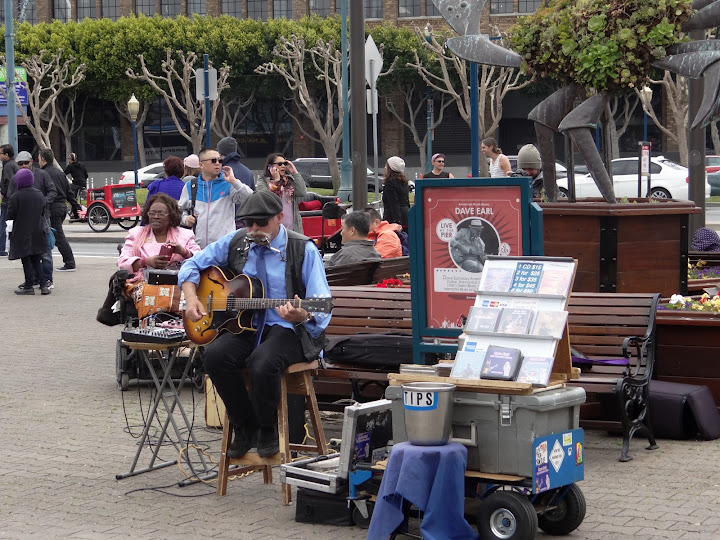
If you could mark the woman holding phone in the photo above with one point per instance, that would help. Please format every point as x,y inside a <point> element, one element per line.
<point>162,242</point>
<point>281,177</point>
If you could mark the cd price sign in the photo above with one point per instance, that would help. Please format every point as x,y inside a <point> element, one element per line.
<point>526,278</point>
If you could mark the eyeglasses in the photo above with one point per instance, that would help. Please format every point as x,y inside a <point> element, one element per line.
<point>23,163</point>
<point>282,163</point>
<point>212,160</point>
<point>158,214</point>
<point>259,222</point>
<point>439,161</point>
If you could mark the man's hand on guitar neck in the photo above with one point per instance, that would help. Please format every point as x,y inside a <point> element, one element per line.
<point>194,309</point>
<point>292,314</point>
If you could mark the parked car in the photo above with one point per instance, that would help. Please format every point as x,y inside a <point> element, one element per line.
<point>560,168</point>
<point>714,181</point>
<point>145,175</point>
<point>316,173</point>
<point>712,164</point>
<point>669,180</point>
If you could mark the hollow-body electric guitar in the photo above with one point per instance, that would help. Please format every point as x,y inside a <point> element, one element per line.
<point>231,304</point>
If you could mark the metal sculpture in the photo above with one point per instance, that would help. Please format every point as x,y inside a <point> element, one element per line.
<point>694,59</point>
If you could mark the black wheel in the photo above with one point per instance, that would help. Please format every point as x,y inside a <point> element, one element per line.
<point>659,193</point>
<point>566,514</point>
<point>98,217</point>
<point>128,223</point>
<point>124,381</point>
<point>360,521</point>
<point>507,515</point>
<point>563,194</point>
<point>121,359</point>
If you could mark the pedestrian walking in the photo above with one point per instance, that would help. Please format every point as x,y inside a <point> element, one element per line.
<point>499,163</point>
<point>438,163</point>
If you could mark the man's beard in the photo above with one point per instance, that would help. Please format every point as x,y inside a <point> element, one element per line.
<point>259,237</point>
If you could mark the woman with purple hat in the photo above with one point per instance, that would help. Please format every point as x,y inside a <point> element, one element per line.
<point>438,162</point>
<point>28,240</point>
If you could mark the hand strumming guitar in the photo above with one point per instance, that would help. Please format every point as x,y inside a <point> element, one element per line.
<point>194,308</point>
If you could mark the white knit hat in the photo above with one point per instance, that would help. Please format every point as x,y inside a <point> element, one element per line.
<point>397,164</point>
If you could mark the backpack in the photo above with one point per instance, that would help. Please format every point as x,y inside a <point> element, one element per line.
<point>404,243</point>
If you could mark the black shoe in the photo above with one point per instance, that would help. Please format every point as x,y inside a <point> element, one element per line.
<point>45,289</point>
<point>241,443</point>
<point>24,285</point>
<point>67,267</point>
<point>24,289</point>
<point>268,442</point>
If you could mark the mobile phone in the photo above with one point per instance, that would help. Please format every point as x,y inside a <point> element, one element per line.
<point>166,251</point>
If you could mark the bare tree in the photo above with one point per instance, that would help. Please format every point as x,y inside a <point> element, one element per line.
<point>231,115</point>
<point>416,108</point>
<point>324,110</point>
<point>69,117</point>
<point>177,86</point>
<point>621,118</point>
<point>495,83</point>
<point>675,90</point>
<point>47,79</point>
<point>121,107</point>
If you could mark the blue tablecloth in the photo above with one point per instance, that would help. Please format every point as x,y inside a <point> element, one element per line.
<point>433,479</point>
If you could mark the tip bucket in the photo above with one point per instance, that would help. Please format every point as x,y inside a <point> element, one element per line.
<point>428,412</point>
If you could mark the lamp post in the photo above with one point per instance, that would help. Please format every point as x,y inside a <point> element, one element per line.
<point>646,94</point>
<point>133,106</point>
<point>428,97</point>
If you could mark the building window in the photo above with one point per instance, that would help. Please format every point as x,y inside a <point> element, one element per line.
<point>501,6</point>
<point>170,8</point>
<point>146,7</point>
<point>29,14</point>
<point>282,8</point>
<point>257,9</point>
<point>196,7</point>
<point>111,9</point>
<point>430,9</point>
<point>528,6</point>
<point>232,8</point>
<point>61,10</point>
<point>85,9</point>
<point>320,8</point>
<point>373,9</point>
<point>409,8</point>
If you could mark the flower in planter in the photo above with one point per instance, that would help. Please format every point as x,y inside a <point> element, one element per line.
<point>702,271</point>
<point>679,302</point>
<point>390,283</point>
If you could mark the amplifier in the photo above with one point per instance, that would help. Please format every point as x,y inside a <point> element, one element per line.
<point>154,335</point>
<point>155,276</point>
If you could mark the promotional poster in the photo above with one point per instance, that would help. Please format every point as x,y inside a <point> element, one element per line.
<point>463,226</point>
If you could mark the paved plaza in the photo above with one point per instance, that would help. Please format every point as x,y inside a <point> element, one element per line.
<point>67,430</point>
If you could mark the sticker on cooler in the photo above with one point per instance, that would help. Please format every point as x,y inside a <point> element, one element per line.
<point>556,456</point>
<point>420,401</point>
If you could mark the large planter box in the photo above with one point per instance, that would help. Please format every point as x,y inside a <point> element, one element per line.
<point>626,247</point>
<point>688,349</point>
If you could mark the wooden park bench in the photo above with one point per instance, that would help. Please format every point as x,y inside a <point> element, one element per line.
<point>616,332</point>
<point>367,272</point>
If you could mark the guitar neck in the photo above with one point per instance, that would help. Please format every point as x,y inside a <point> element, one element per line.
<point>261,303</point>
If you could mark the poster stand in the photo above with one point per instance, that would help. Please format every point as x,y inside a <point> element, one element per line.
<point>456,223</point>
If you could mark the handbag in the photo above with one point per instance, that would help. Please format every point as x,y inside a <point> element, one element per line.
<point>51,238</point>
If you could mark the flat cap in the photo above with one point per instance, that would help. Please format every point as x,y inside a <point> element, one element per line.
<point>24,156</point>
<point>260,205</point>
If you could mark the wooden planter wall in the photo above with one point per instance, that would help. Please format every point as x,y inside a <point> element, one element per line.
<point>625,247</point>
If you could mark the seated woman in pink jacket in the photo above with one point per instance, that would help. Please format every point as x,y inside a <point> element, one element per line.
<point>144,243</point>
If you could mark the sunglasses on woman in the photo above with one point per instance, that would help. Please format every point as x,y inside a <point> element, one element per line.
<point>259,222</point>
<point>282,163</point>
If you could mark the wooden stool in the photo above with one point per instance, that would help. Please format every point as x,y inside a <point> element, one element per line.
<point>296,379</point>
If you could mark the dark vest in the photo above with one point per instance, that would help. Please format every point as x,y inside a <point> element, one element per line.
<point>433,175</point>
<point>295,254</point>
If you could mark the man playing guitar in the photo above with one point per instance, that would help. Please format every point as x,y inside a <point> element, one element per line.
<point>289,266</point>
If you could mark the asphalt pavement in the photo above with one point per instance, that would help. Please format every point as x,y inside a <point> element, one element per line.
<point>67,431</point>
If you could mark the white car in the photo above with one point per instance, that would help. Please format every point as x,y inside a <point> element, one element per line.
<point>669,180</point>
<point>145,175</point>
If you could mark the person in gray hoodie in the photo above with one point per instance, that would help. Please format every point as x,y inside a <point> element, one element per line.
<point>212,214</point>
<point>355,244</point>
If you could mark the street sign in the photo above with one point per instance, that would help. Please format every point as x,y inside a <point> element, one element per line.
<point>373,61</point>
<point>372,101</point>
<point>20,89</point>
<point>200,84</point>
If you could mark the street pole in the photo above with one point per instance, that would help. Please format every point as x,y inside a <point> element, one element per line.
<point>10,76</point>
<point>696,149</point>
<point>428,97</point>
<point>474,120</point>
<point>206,73</point>
<point>135,156</point>
<point>133,106</point>
<point>359,124</point>
<point>345,190</point>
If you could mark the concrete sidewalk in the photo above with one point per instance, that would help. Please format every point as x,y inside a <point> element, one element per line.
<point>67,430</point>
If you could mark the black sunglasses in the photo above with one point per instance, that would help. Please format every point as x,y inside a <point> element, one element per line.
<point>21,163</point>
<point>282,163</point>
<point>212,160</point>
<point>259,222</point>
<point>439,161</point>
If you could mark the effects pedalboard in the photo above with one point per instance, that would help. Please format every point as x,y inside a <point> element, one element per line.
<point>153,332</point>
